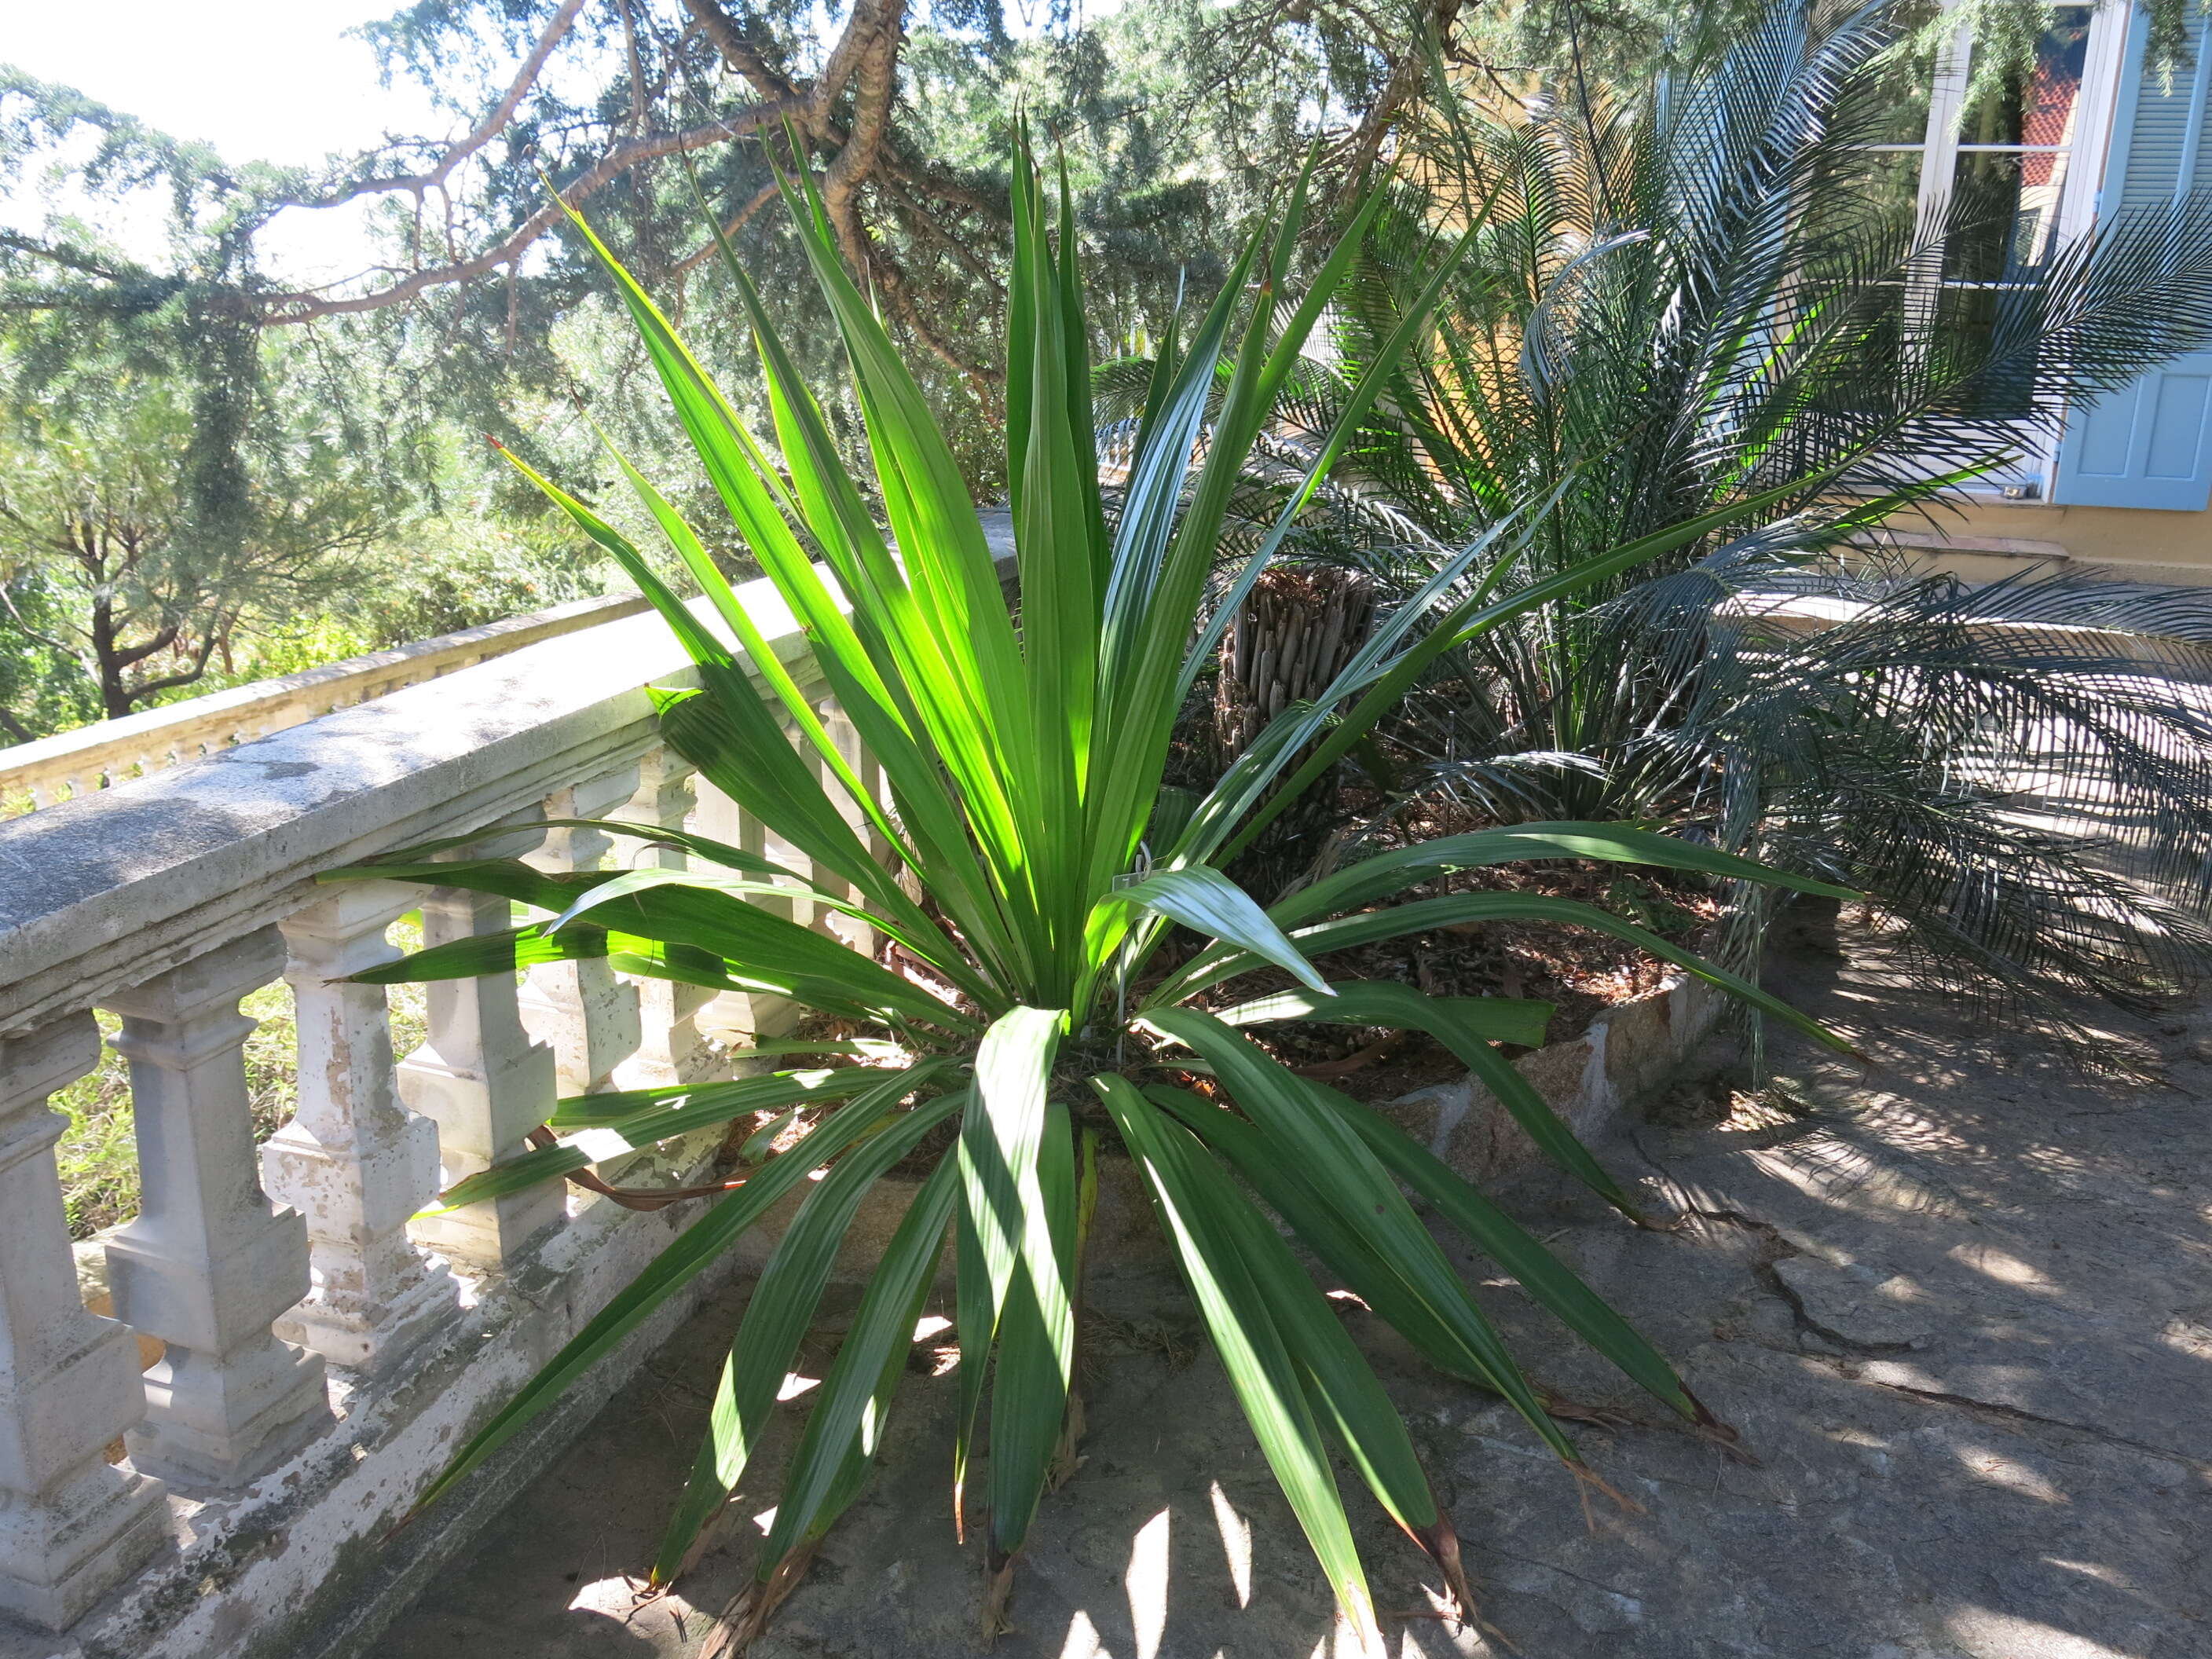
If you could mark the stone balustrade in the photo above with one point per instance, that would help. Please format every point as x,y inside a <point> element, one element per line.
<point>72,763</point>
<point>321,1352</point>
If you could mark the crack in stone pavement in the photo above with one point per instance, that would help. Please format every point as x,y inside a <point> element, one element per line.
<point>1780,1247</point>
<point>2016,1414</point>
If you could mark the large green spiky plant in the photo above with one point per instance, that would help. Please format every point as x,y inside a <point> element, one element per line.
<point>1032,876</point>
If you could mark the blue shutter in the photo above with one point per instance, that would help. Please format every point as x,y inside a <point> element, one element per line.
<point>2150,444</point>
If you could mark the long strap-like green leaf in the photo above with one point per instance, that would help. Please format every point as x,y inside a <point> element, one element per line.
<point>1241,1323</point>
<point>678,1266</point>
<point>845,1429</point>
<point>776,1319</point>
<point>1362,1191</point>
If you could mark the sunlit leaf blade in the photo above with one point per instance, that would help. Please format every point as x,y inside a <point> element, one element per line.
<point>1460,1022</point>
<point>1346,1397</point>
<point>928,945</point>
<point>1547,1279</point>
<point>1060,533</point>
<point>749,942</point>
<point>685,840</point>
<point>1292,1192</point>
<point>1413,322</point>
<point>1036,1348</point>
<point>1250,1346</point>
<point>772,782</point>
<point>776,1317</point>
<point>869,658</point>
<point>1423,915</point>
<point>1362,1002</point>
<point>690,1254</point>
<point>702,1107</point>
<point>479,954</point>
<point>1208,901</point>
<point>850,1407</point>
<point>998,1140</point>
<point>975,1318</point>
<point>1619,843</point>
<point>1364,1192</point>
<point>506,878</point>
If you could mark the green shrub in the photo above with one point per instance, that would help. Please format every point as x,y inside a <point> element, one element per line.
<point>1039,864</point>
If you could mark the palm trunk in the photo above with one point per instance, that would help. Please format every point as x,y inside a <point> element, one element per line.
<point>1297,628</point>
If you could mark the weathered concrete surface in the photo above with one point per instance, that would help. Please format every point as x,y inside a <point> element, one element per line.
<point>1962,1316</point>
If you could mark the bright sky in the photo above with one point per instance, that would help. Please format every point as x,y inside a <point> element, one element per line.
<point>261,80</point>
<point>278,80</point>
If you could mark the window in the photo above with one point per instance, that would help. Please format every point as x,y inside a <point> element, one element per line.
<point>2148,445</point>
<point>2018,165</point>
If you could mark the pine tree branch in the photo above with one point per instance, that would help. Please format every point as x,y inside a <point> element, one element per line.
<point>305,306</point>
<point>490,128</point>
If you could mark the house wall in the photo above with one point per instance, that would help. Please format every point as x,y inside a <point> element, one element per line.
<point>2138,545</point>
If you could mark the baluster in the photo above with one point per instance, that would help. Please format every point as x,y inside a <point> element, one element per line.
<point>355,1161</point>
<point>585,1011</point>
<point>847,929</point>
<point>798,907</point>
<point>740,1014</point>
<point>71,1524</point>
<point>672,1049</point>
<point>484,1082</point>
<point>209,1266</point>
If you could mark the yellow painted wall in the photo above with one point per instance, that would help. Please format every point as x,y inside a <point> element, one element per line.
<point>2129,544</point>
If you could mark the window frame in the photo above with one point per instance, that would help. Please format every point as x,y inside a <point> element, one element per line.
<point>2031,477</point>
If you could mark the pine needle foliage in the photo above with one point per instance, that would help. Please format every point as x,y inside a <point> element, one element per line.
<point>1031,878</point>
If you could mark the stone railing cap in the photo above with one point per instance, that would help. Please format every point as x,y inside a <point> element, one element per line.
<point>103,891</point>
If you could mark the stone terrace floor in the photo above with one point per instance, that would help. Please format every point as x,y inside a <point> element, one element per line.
<point>1962,1312</point>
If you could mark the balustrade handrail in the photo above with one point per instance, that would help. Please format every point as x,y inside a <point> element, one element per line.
<point>179,732</point>
<point>108,888</point>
